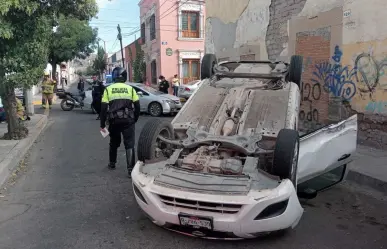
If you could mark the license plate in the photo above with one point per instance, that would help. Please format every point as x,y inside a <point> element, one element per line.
<point>182,100</point>
<point>195,221</point>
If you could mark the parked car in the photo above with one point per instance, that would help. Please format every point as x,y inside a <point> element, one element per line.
<point>2,112</point>
<point>155,102</point>
<point>186,90</point>
<point>232,164</point>
<point>152,101</point>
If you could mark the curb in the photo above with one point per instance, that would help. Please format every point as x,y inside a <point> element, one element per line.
<point>18,153</point>
<point>365,180</point>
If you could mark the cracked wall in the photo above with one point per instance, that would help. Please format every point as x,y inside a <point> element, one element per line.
<point>352,59</point>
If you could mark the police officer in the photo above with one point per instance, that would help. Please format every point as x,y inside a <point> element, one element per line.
<point>121,107</point>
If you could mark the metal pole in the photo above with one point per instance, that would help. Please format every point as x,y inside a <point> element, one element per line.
<point>122,50</point>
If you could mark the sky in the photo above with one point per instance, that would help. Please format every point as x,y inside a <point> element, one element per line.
<point>114,12</point>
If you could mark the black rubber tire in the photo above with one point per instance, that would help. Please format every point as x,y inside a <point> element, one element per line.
<point>287,143</point>
<point>65,107</point>
<point>147,140</point>
<point>207,66</point>
<point>295,69</point>
<point>155,114</point>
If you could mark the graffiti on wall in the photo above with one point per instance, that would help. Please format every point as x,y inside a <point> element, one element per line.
<point>336,78</point>
<point>310,93</point>
<point>370,71</point>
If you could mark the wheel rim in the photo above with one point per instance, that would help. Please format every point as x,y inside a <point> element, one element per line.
<point>155,109</point>
<point>160,145</point>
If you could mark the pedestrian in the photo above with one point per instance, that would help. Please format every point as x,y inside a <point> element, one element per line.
<point>163,84</point>
<point>48,86</point>
<point>176,84</point>
<point>81,84</point>
<point>121,107</point>
<point>97,92</point>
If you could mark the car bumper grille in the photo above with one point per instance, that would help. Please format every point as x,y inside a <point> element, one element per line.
<point>200,205</point>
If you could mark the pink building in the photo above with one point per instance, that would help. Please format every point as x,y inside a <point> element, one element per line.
<point>173,38</point>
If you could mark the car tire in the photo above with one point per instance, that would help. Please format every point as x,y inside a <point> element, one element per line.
<point>207,66</point>
<point>148,141</point>
<point>295,69</point>
<point>65,107</point>
<point>155,109</point>
<point>286,155</point>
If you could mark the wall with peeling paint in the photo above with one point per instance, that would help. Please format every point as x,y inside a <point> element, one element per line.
<point>344,44</point>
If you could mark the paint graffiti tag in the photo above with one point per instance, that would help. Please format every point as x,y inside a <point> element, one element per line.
<point>377,107</point>
<point>370,72</point>
<point>309,95</point>
<point>335,78</point>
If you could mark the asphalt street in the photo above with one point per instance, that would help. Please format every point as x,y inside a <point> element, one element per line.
<point>65,197</point>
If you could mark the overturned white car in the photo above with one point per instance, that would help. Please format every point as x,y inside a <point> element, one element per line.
<point>232,164</point>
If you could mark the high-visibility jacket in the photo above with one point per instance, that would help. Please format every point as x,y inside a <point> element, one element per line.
<point>120,98</point>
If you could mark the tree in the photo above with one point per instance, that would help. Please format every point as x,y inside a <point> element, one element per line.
<point>25,30</point>
<point>73,38</point>
<point>138,64</point>
<point>100,63</point>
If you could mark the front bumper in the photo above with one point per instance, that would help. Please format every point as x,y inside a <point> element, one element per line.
<point>171,107</point>
<point>245,223</point>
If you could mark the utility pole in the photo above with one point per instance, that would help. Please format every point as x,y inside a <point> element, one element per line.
<point>122,50</point>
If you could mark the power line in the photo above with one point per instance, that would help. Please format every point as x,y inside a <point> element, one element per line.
<point>161,17</point>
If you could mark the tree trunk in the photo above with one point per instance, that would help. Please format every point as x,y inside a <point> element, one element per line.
<point>53,65</point>
<point>16,129</point>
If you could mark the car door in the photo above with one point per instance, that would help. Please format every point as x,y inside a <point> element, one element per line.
<point>326,150</point>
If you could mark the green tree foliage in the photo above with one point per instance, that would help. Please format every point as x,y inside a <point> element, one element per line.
<point>73,38</point>
<point>100,63</point>
<point>25,32</point>
<point>138,63</point>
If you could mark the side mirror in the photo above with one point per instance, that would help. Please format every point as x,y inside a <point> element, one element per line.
<point>140,94</point>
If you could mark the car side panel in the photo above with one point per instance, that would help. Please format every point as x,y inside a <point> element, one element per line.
<point>327,148</point>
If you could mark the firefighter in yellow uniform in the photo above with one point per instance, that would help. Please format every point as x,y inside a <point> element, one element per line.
<point>48,86</point>
<point>20,111</point>
<point>121,107</point>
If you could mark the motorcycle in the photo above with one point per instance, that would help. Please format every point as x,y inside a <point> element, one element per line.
<point>71,100</point>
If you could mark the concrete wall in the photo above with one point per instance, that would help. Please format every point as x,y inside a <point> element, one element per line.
<point>344,49</point>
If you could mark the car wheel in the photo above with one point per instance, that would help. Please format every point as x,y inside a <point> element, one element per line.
<point>207,66</point>
<point>155,109</point>
<point>65,106</point>
<point>295,69</point>
<point>286,155</point>
<point>149,145</point>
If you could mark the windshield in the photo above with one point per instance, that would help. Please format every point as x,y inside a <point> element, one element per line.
<point>1,104</point>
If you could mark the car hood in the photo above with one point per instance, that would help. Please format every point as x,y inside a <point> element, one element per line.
<point>169,97</point>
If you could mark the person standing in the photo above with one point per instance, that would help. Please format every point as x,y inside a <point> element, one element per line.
<point>48,86</point>
<point>121,107</point>
<point>176,84</point>
<point>163,85</point>
<point>97,92</point>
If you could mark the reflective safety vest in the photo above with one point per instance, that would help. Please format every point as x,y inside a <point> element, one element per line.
<point>120,98</point>
<point>48,86</point>
<point>119,91</point>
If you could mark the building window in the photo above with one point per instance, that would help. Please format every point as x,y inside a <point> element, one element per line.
<point>152,27</point>
<point>191,70</point>
<point>154,72</point>
<point>143,32</point>
<point>190,24</point>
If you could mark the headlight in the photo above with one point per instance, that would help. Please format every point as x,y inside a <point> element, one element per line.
<point>168,101</point>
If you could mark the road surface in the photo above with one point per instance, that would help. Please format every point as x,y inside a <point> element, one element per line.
<point>65,197</point>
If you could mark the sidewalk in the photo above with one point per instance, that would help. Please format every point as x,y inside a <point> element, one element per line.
<point>369,168</point>
<point>13,151</point>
